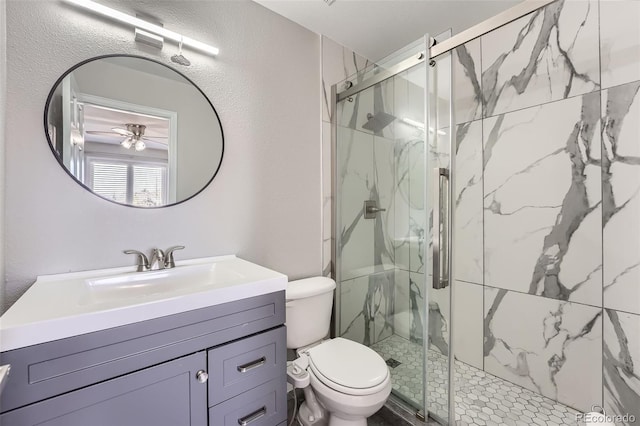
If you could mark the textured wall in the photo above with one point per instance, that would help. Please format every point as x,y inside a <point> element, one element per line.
<point>3,98</point>
<point>265,204</point>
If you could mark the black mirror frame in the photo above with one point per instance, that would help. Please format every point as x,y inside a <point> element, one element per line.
<point>117,55</point>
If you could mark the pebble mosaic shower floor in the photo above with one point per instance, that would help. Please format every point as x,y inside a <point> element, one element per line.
<point>481,399</point>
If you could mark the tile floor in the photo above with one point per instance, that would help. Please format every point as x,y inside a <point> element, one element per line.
<point>481,398</point>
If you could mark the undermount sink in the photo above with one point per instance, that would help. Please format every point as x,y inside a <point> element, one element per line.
<point>64,305</point>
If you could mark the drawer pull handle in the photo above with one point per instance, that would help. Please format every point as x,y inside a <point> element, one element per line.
<point>250,418</point>
<point>251,365</point>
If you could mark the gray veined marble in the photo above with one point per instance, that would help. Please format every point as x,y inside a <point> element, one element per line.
<point>545,56</point>
<point>438,313</point>
<point>621,197</point>
<point>619,42</point>
<point>355,179</point>
<point>621,364</point>
<point>467,80</point>
<point>367,307</point>
<point>542,216</point>
<point>338,64</point>
<point>416,287</point>
<point>468,233</point>
<point>545,345</point>
<point>408,238</point>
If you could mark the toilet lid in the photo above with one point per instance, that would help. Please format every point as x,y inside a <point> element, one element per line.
<point>348,364</point>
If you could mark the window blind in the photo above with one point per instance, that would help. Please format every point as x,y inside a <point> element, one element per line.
<point>109,180</point>
<point>148,185</point>
<point>134,183</point>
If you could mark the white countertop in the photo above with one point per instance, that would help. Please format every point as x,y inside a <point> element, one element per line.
<point>65,305</point>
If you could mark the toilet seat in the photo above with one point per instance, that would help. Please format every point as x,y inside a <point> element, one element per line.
<point>348,367</point>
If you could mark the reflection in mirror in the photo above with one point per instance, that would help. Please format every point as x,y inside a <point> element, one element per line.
<point>134,131</point>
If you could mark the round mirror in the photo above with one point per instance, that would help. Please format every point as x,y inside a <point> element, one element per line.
<point>134,131</point>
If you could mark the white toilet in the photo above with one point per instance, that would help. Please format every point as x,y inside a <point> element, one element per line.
<point>349,380</point>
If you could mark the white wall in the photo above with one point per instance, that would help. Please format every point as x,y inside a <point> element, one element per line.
<point>264,204</point>
<point>3,98</point>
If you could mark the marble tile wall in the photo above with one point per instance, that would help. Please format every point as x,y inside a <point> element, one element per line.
<point>366,170</point>
<point>542,57</point>
<point>556,129</point>
<point>367,307</point>
<point>547,258</point>
<point>338,63</point>
<point>621,196</point>
<point>621,363</point>
<point>620,124</point>
<point>554,349</point>
<point>542,198</point>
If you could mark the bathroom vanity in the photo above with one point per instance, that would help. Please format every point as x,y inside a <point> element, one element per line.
<point>207,354</point>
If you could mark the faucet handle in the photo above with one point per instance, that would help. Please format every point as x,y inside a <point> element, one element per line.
<point>169,262</point>
<point>142,261</point>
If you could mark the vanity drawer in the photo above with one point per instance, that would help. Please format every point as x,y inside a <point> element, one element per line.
<point>265,405</point>
<point>244,364</point>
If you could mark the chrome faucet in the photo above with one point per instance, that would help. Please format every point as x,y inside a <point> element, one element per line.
<point>159,259</point>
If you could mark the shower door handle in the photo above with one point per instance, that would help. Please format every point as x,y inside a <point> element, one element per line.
<point>440,245</point>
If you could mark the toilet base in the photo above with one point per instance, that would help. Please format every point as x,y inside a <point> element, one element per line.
<point>304,416</point>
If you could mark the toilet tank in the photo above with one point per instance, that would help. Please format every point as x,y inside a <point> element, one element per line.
<point>308,305</point>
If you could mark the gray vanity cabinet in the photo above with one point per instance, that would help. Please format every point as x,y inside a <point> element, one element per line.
<point>147,373</point>
<point>164,395</point>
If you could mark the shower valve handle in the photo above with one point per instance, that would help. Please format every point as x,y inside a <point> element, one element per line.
<point>371,208</point>
<point>375,209</point>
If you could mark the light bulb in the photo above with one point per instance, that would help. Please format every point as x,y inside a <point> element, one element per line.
<point>140,145</point>
<point>127,143</point>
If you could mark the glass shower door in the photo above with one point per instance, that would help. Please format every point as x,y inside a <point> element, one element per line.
<point>380,226</point>
<point>393,294</point>
<point>439,250</point>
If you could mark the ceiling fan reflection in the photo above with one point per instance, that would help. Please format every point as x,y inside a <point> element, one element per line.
<point>133,135</point>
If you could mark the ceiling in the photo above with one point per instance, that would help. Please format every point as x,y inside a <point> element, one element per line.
<point>377,28</point>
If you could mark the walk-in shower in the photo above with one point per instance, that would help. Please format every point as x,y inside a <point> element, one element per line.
<point>479,192</point>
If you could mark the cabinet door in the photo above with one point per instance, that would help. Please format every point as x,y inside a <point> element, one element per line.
<point>167,394</point>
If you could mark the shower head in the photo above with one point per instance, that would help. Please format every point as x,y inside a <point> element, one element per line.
<point>378,121</point>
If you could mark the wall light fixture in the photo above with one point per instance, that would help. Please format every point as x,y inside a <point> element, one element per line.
<point>144,25</point>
